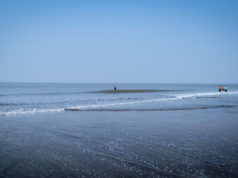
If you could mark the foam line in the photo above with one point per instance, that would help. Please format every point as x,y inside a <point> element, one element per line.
<point>173,97</point>
<point>20,111</point>
<point>95,106</point>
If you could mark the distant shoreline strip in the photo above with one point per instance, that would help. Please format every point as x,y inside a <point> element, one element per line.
<point>133,91</point>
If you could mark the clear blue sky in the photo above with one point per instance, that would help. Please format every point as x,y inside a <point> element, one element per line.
<point>119,41</point>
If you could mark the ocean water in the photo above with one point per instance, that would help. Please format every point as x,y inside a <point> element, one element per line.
<point>28,98</point>
<point>142,130</point>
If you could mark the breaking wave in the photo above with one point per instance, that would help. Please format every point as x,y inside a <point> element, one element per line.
<point>203,94</point>
<point>171,98</point>
<point>98,107</point>
<point>32,111</point>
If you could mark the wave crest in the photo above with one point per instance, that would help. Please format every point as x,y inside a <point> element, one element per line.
<point>95,107</point>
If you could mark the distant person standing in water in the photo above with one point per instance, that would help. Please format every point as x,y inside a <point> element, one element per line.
<point>115,88</point>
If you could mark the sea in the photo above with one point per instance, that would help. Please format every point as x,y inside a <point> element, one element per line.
<point>137,130</point>
<point>33,98</point>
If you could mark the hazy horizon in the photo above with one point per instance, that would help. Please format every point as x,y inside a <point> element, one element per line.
<point>163,42</point>
<point>118,83</point>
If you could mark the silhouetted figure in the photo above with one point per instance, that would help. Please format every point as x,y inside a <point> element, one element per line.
<point>115,88</point>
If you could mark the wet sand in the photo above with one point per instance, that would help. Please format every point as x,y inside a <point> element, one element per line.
<point>191,143</point>
<point>133,91</point>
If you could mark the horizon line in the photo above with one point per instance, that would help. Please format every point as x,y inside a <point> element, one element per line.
<point>204,83</point>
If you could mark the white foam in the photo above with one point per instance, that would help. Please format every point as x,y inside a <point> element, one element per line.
<point>173,97</point>
<point>204,94</point>
<point>121,103</point>
<point>32,111</point>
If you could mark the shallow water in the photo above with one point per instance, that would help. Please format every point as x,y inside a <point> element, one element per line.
<point>188,133</point>
<point>29,98</point>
